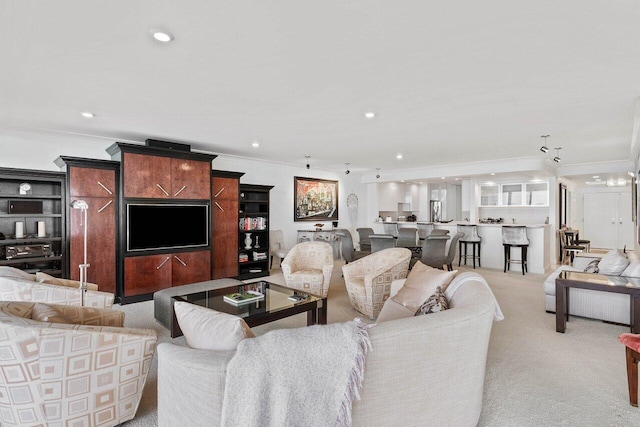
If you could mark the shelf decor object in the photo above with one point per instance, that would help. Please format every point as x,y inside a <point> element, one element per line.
<point>247,240</point>
<point>81,204</point>
<point>315,199</point>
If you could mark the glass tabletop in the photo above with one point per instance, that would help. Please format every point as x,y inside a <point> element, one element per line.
<point>276,299</point>
<point>623,281</point>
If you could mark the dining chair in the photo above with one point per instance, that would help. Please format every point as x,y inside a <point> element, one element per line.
<point>382,241</point>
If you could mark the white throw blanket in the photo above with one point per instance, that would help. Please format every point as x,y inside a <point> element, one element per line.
<point>296,377</point>
<point>462,278</point>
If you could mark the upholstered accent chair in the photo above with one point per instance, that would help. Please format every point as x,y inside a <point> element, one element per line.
<point>88,372</point>
<point>277,247</point>
<point>347,248</point>
<point>368,280</point>
<point>363,234</point>
<point>308,267</point>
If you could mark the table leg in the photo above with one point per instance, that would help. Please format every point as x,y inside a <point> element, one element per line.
<point>311,317</point>
<point>561,306</point>
<point>634,315</point>
<point>322,312</point>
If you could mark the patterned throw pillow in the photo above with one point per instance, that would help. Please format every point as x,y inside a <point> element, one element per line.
<point>592,267</point>
<point>46,313</point>
<point>434,304</point>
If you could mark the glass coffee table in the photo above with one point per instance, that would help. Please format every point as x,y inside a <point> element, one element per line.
<point>274,306</point>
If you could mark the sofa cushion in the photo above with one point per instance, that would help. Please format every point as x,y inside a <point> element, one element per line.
<point>50,280</point>
<point>421,283</point>
<point>16,273</point>
<point>46,313</point>
<point>207,329</point>
<point>613,263</point>
<point>632,270</point>
<point>434,304</point>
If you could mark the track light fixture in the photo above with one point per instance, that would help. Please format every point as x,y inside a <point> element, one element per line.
<point>307,157</point>
<point>377,173</point>
<point>557,157</point>
<point>347,171</point>
<point>544,147</point>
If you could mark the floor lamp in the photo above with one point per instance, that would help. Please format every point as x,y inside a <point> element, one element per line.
<point>82,205</point>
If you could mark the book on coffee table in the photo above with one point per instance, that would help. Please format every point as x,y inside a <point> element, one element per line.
<point>243,297</point>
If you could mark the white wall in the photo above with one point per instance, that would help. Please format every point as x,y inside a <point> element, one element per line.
<point>38,151</point>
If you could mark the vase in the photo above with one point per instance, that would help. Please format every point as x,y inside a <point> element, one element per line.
<point>247,240</point>
<point>257,245</point>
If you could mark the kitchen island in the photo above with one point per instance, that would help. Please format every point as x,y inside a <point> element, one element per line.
<point>492,253</point>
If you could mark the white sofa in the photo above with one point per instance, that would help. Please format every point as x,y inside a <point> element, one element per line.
<point>607,306</point>
<point>17,285</point>
<point>422,370</point>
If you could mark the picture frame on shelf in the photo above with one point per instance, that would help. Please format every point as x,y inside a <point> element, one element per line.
<point>315,199</point>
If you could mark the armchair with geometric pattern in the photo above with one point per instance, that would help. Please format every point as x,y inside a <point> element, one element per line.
<point>368,280</point>
<point>308,267</point>
<point>76,367</point>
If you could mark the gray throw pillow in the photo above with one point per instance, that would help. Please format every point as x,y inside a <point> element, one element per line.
<point>434,304</point>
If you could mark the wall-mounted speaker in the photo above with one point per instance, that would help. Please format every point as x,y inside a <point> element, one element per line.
<point>25,206</point>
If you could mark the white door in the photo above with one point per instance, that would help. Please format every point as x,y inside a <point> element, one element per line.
<point>607,220</point>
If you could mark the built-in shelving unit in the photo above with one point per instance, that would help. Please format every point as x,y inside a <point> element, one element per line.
<point>42,203</point>
<point>253,231</point>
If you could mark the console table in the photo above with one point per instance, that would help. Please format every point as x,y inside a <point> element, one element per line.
<point>328,236</point>
<point>596,282</point>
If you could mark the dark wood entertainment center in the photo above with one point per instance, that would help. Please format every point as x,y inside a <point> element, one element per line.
<point>159,174</point>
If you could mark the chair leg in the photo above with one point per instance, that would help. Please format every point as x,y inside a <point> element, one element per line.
<point>271,263</point>
<point>459,253</point>
<point>479,257</point>
<point>523,255</point>
<point>474,255</point>
<point>632,375</point>
<point>505,257</point>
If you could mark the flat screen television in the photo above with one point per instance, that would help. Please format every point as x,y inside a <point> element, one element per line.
<point>166,226</point>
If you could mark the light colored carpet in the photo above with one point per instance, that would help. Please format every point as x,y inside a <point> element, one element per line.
<point>535,376</point>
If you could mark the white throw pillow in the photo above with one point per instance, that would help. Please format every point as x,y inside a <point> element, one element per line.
<point>633,270</point>
<point>421,283</point>
<point>207,329</point>
<point>613,263</point>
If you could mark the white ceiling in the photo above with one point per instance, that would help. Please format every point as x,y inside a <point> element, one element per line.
<point>451,81</point>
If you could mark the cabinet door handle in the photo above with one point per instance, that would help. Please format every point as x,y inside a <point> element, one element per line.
<point>105,206</point>
<point>180,190</point>
<point>218,193</point>
<point>219,207</point>
<point>180,261</point>
<point>163,263</point>
<point>163,190</point>
<point>105,188</point>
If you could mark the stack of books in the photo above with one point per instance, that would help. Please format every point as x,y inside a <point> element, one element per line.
<point>237,298</point>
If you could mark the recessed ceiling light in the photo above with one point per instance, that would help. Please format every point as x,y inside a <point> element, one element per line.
<point>369,114</point>
<point>442,177</point>
<point>596,176</point>
<point>87,114</point>
<point>160,35</point>
<point>399,156</point>
<point>492,173</point>
<point>255,144</point>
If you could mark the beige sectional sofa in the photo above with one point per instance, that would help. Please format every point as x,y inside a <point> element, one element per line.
<point>607,306</point>
<point>17,285</point>
<point>422,370</point>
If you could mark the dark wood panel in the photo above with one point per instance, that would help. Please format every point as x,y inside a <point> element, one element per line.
<point>190,179</point>
<point>190,267</point>
<point>147,274</point>
<point>143,174</point>
<point>224,189</point>
<point>89,182</point>
<point>224,244</point>
<point>101,242</point>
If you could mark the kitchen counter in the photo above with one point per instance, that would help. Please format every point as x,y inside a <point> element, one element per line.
<point>492,253</point>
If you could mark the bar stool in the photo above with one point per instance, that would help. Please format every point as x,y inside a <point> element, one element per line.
<point>515,236</point>
<point>470,238</point>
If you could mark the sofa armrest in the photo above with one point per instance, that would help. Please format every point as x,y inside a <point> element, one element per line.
<point>190,378</point>
<point>92,316</point>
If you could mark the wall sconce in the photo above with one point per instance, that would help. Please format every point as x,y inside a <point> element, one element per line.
<point>557,157</point>
<point>544,147</point>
